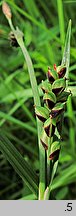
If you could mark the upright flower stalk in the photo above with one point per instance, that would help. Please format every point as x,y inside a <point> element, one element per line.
<point>19,37</point>
<point>50,116</point>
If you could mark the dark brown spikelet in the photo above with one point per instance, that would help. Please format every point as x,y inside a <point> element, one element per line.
<point>48,130</point>
<point>53,130</point>
<point>62,72</point>
<point>44,145</point>
<point>50,99</point>
<point>41,118</point>
<point>55,113</point>
<point>49,103</point>
<point>50,76</point>
<point>56,91</point>
<point>55,155</point>
<point>13,40</point>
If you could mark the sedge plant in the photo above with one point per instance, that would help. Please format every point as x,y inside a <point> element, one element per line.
<point>49,116</point>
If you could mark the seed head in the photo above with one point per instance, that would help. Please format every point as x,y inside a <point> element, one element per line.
<point>6,10</point>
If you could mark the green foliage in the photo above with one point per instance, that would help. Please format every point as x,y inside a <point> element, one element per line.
<point>19,164</point>
<point>44,25</point>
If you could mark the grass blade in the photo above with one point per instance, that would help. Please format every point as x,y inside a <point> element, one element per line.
<point>20,165</point>
<point>18,122</point>
<point>29,197</point>
<point>61,21</point>
<point>71,129</point>
<point>66,54</point>
<point>64,177</point>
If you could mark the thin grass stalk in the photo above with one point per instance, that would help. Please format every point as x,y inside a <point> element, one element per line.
<point>18,34</point>
<point>61,21</point>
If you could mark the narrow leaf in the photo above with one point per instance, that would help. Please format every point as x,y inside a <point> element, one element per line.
<point>19,164</point>
<point>66,54</point>
<point>65,177</point>
<point>29,197</point>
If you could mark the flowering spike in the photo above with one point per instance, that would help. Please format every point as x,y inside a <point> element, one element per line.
<point>6,10</point>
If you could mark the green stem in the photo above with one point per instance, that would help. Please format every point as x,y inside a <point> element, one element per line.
<point>61,21</point>
<point>18,34</point>
<point>48,162</point>
<point>48,170</point>
<point>47,194</point>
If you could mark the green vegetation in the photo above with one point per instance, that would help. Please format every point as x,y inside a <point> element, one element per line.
<point>44,25</point>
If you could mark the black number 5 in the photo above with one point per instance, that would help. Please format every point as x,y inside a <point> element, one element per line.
<point>69,207</point>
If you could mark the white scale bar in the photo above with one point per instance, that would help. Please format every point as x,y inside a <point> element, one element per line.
<point>38,208</point>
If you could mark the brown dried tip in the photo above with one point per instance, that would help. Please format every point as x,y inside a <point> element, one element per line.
<point>6,10</point>
<point>55,68</point>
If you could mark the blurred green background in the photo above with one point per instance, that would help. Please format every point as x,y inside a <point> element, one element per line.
<point>44,24</point>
